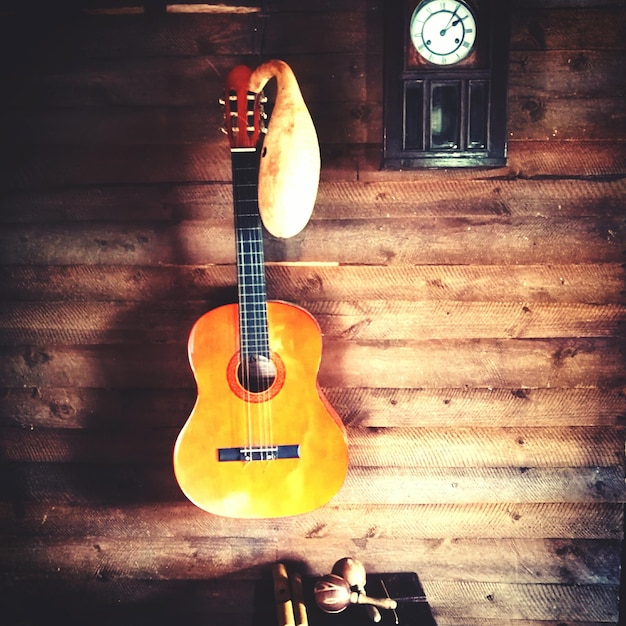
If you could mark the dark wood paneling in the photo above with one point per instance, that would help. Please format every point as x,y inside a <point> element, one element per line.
<point>473,320</point>
<point>62,407</point>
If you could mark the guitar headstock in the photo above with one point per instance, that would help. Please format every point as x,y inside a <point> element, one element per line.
<point>243,109</point>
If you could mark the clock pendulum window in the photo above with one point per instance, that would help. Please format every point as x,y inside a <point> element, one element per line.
<point>446,69</point>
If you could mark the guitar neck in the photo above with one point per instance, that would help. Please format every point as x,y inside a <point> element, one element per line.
<point>250,259</point>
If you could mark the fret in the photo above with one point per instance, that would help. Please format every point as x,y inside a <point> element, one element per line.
<point>254,339</point>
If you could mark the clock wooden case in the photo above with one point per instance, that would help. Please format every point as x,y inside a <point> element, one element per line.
<point>446,69</point>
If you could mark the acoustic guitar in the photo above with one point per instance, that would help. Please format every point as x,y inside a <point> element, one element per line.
<point>262,440</point>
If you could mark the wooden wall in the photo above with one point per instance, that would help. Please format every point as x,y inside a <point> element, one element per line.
<point>473,320</point>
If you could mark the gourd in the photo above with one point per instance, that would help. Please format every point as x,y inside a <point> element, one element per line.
<point>289,167</point>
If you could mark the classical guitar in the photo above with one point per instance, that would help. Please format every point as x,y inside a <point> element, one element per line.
<point>261,440</point>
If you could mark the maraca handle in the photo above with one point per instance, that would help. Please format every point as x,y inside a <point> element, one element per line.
<point>381,603</point>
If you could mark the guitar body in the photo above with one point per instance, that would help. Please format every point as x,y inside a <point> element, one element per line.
<point>290,419</point>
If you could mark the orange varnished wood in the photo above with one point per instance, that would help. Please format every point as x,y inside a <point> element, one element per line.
<point>297,413</point>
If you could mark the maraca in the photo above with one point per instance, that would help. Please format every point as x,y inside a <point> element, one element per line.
<point>353,571</point>
<point>333,594</point>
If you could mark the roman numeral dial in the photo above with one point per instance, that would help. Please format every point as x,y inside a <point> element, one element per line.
<point>443,31</point>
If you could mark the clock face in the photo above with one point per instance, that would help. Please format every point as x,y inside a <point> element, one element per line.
<point>443,31</point>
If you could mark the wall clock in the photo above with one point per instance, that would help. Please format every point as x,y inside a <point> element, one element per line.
<point>446,69</point>
<point>443,32</point>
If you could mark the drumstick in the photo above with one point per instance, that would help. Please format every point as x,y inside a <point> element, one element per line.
<point>299,608</point>
<point>282,595</point>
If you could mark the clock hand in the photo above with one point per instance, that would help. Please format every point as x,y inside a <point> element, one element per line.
<point>444,30</point>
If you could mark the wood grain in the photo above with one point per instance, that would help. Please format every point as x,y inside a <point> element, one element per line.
<point>380,320</point>
<point>413,241</point>
<point>523,562</point>
<point>482,363</point>
<point>430,197</point>
<point>345,522</point>
<point>368,407</point>
<point>587,283</point>
<point>481,604</point>
<point>412,447</point>
<point>124,485</point>
<point>473,319</point>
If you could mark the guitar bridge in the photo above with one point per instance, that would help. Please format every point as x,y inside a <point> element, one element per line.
<point>259,453</point>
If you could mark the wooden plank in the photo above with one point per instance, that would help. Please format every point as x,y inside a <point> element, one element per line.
<point>345,107</point>
<point>158,86</point>
<point>533,115</point>
<point>493,364</point>
<point>107,85</point>
<point>356,523</point>
<point>524,602</point>
<point>73,407</point>
<point>560,283</point>
<point>128,123</point>
<point>120,322</point>
<point>458,408</point>
<point>489,447</point>
<point>464,241</point>
<point>588,73</point>
<point>526,159</point>
<point>64,9</point>
<point>102,101</point>
<point>474,196</point>
<point>482,560</point>
<point>568,29</point>
<point>432,197</point>
<point>47,166</point>
<point>323,32</point>
<point>74,483</point>
<point>380,321</point>
<point>151,559</point>
<point>281,6</point>
<point>508,561</point>
<point>463,485</point>
<point>398,448</point>
<point>477,363</point>
<point>539,118</point>
<point>561,4</point>
<point>127,36</point>
<point>443,620</point>
<point>104,601</point>
<point>53,167</point>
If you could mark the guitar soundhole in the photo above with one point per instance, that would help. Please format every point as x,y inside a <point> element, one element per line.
<point>256,373</point>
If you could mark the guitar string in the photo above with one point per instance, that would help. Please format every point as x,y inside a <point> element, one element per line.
<point>261,339</point>
<point>260,345</point>
<point>261,299</point>
<point>261,328</point>
<point>260,44</point>
<point>254,340</point>
<point>259,342</point>
<point>244,372</point>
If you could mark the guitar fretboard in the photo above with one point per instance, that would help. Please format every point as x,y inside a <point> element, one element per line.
<point>250,260</point>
